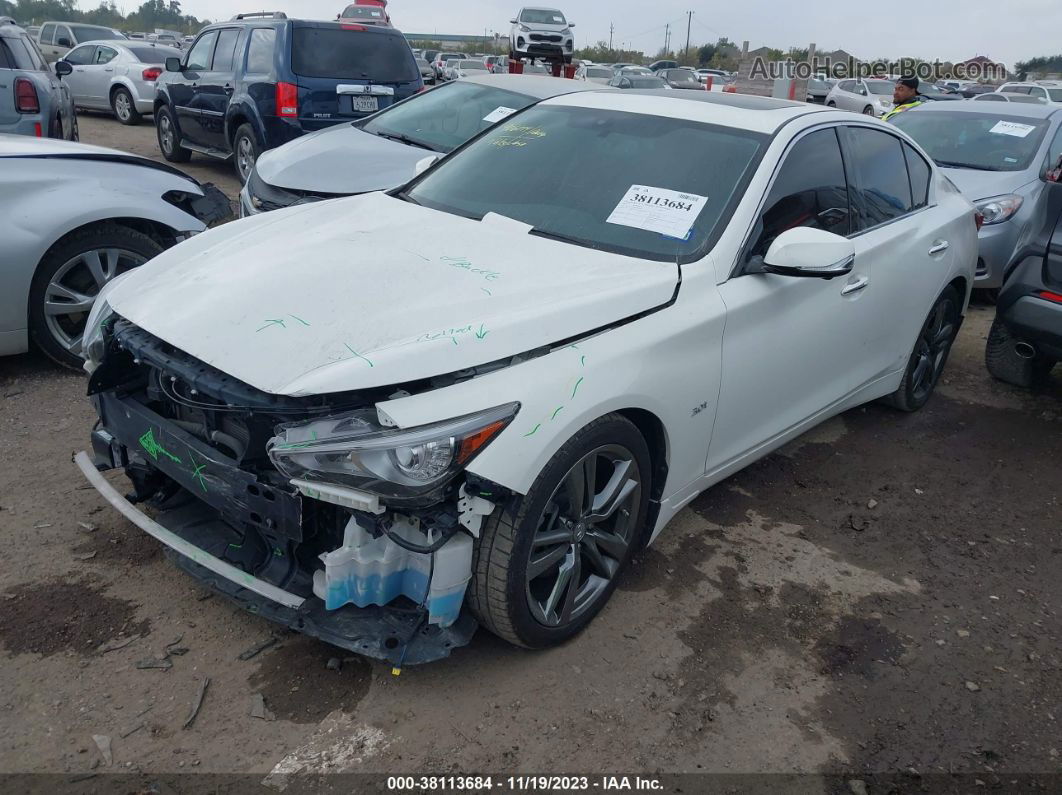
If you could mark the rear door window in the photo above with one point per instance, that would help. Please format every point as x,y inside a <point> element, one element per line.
<point>882,188</point>
<point>260,51</point>
<point>202,52</point>
<point>225,53</point>
<point>48,34</point>
<point>63,34</point>
<point>105,54</point>
<point>7,59</point>
<point>352,55</point>
<point>811,190</point>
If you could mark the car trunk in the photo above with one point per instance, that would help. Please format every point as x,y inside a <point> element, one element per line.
<point>348,71</point>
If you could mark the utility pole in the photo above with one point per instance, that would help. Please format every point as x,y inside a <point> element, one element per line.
<point>689,22</point>
<point>667,38</point>
<point>611,30</point>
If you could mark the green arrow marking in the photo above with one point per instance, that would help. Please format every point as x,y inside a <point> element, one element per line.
<point>481,333</point>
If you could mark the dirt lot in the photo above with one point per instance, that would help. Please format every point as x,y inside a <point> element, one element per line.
<point>882,596</point>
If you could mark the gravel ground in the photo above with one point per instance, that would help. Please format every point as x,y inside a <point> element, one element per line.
<point>879,597</point>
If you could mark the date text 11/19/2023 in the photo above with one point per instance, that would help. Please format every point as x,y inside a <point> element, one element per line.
<point>522,783</point>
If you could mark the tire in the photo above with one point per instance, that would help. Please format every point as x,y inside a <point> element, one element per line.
<point>69,274</point>
<point>868,111</point>
<point>930,353</point>
<point>543,609</point>
<point>831,104</point>
<point>1004,363</point>
<point>75,134</point>
<point>245,152</point>
<point>124,108</point>
<point>169,136</point>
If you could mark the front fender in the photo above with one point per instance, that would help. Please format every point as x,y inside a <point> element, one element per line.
<point>43,199</point>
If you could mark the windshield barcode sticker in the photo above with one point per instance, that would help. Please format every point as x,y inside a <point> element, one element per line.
<point>498,114</point>
<point>667,212</point>
<point>1012,128</point>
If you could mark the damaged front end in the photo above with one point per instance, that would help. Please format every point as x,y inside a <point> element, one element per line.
<point>314,512</point>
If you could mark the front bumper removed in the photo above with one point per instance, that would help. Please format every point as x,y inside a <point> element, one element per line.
<point>192,530</point>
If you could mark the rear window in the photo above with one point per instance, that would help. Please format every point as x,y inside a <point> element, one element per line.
<point>154,54</point>
<point>20,53</point>
<point>363,12</point>
<point>92,33</point>
<point>352,55</point>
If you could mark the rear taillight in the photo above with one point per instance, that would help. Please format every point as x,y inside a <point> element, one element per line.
<point>287,100</point>
<point>26,100</point>
<point>979,220</point>
<point>152,73</point>
<point>1047,295</point>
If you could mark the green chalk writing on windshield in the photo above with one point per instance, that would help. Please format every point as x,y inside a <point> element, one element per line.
<point>582,361</point>
<point>153,448</point>
<point>272,322</point>
<point>576,389</point>
<point>481,333</point>
<point>488,292</point>
<point>358,355</point>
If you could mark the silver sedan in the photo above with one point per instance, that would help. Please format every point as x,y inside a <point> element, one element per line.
<point>117,76</point>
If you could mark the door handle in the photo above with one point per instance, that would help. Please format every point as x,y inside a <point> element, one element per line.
<point>939,248</point>
<point>108,69</point>
<point>856,286</point>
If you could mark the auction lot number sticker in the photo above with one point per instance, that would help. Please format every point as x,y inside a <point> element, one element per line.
<point>523,783</point>
<point>667,212</point>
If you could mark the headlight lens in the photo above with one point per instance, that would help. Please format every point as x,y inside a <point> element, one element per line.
<point>998,210</point>
<point>93,342</point>
<point>354,450</point>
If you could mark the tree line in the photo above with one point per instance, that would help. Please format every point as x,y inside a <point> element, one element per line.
<point>152,14</point>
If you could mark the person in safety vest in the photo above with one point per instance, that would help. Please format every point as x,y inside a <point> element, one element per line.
<point>905,96</point>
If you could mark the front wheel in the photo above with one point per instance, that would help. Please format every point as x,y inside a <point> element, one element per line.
<point>868,111</point>
<point>169,137</point>
<point>544,566</point>
<point>930,353</point>
<point>831,104</point>
<point>69,278</point>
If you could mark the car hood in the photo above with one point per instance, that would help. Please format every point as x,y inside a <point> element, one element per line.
<point>975,185</point>
<point>26,146</point>
<point>371,291</point>
<point>340,160</point>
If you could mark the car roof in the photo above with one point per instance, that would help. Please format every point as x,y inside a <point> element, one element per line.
<point>140,44</point>
<point>1011,109</point>
<point>743,111</point>
<point>11,31</point>
<point>535,86</point>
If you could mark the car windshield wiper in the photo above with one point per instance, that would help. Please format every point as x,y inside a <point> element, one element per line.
<point>578,241</point>
<point>949,164</point>
<point>405,139</point>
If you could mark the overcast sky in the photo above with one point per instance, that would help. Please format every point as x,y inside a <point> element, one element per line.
<point>954,31</point>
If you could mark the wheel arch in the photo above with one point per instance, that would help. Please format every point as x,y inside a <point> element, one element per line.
<point>119,82</point>
<point>655,434</point>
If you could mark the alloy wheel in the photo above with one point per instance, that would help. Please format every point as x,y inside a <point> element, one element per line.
<point>583,535</point>
<point>73,288</point>
<point>122,106</point>
<point>245,157</point>
<point>931,350</point>
<point>166,136</point>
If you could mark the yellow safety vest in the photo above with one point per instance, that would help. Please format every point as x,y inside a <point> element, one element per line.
<point>901,109</point>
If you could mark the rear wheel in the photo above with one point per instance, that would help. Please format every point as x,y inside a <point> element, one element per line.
<point>245,151</point>
<point>124,108</point>
<point>930,354</point>
<point>169,137</point>
<point>1008,361</point>
<point>546,565</point>
<point>70,277</point>
<point>831,104</point>
<point>868,111</point>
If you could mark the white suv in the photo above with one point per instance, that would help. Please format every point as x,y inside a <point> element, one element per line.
<point>541,33</point>
<point>1047,90</point>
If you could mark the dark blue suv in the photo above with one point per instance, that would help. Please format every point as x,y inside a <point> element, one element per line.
<point>260,80</point>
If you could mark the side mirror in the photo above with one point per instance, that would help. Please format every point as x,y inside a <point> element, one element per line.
<point>62,68</point>
<point>425,163</point>
<point>1054,173</point>
<point>173,64</point>
<point>63,41</point>
<point>803,251</point>
<point>512,21</point>
<point>571,24</point>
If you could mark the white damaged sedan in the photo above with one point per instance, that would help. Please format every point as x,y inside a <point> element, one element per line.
<point>385,419</point>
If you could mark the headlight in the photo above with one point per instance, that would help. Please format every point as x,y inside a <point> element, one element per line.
<point>524,28</point>
<point>998,210</point>
<point>94,342</point>
<point>354,450</point>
